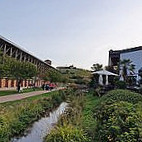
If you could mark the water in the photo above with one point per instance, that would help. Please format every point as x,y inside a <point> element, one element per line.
<point>42,127</point>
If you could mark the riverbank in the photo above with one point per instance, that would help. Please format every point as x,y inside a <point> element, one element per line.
<point>77,123</point>
<point>16,116</point>
<point>38,130</point>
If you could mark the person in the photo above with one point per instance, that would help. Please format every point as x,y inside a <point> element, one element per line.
<point>18,87</point>
<point>43,86</point>
<point>47,87</point>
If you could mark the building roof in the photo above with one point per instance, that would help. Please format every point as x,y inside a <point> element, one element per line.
<point>22,49</point>
<point>127,50</point>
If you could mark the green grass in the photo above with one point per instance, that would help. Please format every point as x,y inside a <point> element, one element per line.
<point>8,92</point>
<point>11,92</point>
<point>87,121</point>
<point>29,99</point>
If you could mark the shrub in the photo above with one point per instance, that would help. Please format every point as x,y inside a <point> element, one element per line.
<point>119,116</point>
<point>118,122</point>
<point>121,95</point>
<point>67,133</point>
<point>120,84</point>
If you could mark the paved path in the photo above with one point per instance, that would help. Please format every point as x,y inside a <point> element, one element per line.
<point>20,96</point>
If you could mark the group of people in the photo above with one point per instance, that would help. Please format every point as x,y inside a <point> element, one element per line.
<point>48,86</point>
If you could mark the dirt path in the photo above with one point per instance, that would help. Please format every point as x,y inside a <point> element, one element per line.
<point>20,96</point>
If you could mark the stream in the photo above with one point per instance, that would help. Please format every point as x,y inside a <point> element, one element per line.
<point>42,127</point>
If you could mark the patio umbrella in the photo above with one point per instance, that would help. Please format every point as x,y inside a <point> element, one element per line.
<point>105,72</point>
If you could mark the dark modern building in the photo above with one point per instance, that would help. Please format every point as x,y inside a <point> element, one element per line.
<point>134,54</point>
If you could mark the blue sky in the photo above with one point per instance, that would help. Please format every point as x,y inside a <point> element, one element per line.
<point>78,32</point>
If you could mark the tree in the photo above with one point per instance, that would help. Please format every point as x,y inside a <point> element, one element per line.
<point>1,65</point>
<point>12,68</point>
<point>97,67</point>
<point>126,65</point>
<point>53,76</point>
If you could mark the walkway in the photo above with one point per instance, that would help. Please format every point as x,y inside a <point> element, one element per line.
<point>20,96</point>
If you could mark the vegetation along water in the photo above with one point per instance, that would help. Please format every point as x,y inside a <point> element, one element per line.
<point>15,117</point>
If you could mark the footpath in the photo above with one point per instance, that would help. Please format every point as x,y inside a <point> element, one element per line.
<point>21,96</point>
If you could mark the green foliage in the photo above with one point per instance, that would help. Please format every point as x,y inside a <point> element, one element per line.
<point>67,133</point>
<point>89,124</point>
<point>121,95</point>
<point>120,84</point>
<point>55,76</point>
<point>76,75</point>
<point>97,67</point>
<point>118,122</point>
<point>16,117</point>
<point>69,127</point>
<point>119,117</point>
<point>1,65</point>
<point>10,67</point>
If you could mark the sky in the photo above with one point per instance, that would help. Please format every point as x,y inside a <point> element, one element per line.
<point>72,32</point>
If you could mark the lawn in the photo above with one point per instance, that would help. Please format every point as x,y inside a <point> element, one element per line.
<point>11,92</point>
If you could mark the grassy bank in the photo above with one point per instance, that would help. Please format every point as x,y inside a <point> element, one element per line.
<point>16,116</point>
<point>77,124</point>
<point>88,123</point>
<point>11,92</point>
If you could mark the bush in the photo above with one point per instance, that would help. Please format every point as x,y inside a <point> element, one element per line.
<point>121,95</point>
<point>118,122</point>
<point>119,116</point>
<point>67,133</point>
<point>120,84</point>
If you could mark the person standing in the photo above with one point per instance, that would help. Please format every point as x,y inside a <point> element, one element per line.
<point>18,87</point>
<point>43,86</point>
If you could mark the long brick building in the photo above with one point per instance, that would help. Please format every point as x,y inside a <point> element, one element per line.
<point>14,51</point>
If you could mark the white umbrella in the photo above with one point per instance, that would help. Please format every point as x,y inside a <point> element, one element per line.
<point>101,80</point>
<point>105,72</point>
